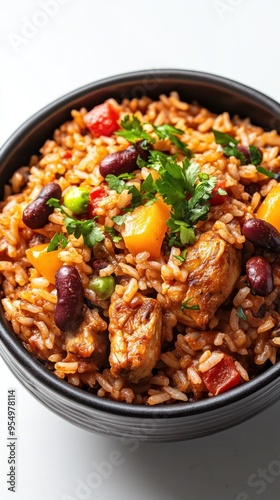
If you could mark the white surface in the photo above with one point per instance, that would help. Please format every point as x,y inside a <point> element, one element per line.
<point>86,40</point>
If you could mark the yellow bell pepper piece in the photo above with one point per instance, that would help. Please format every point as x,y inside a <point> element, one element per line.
<point>46,263</point>
<point>145,228</point>
<point>269,210</point>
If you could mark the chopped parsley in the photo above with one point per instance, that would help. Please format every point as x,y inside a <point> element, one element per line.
<point>251,155</point>
<point>187,192</point>
<point>187,305</point>
<point>86,228</point>
<point>224,139</point>
<point>234,151</point>
<point>183,255</point>
<point>58,240</point>
<point>167,132</point>
<point>255,155</point>
<point>113,233</point>
<point>241,314</point>
<point>119,219</point>
<point>268,173</point>
<point>133,131</point>
<point>184,188</point>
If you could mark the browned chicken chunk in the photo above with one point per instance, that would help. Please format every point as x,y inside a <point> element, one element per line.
<point>91,338</point>
<point>135,333</point>
<point>213,267</point>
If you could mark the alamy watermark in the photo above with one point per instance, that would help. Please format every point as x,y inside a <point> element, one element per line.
<point>30,27</point>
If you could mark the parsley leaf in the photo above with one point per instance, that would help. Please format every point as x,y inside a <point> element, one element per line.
<point>115,183</point>
<point>58,240</point>
<point>255,155</point>
<point>167,132</point>
<point>252,155</point>
<point>185,305</point>
<point>268,173</point>
<point>119,219</point>
<point>113,233</point>
<point>241,314</point>
<point>158,159</point>
<point>137,198</point>
<point>184,229</point>
<point>183,255</point>
<point>187,192</point>
<point>133,130</point>
<point>126,176</point>
<point>87,228</point>
<point>224,139</point>
<point>233,151</point>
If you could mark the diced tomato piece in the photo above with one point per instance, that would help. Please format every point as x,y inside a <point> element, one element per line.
<point>216,198</point>
<point>67,155</point>
<point>102,120</point>
<point>95,195</point>
<point>222,377</point>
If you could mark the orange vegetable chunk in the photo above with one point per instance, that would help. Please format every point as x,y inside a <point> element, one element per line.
<point>269,210</point>
<point>46,263</point>
<point>145,228</point>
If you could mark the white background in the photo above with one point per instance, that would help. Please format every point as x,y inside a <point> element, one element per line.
<point>83,41</point>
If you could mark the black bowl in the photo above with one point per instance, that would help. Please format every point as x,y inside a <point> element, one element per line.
<point>161,423</point>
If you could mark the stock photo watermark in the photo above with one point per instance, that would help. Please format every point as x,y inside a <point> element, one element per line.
<point>223,7</point>
<point>30,27</point>
<point>260,480</point>
<point>102,471</point>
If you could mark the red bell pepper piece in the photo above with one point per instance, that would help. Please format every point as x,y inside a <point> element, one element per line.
<point>216,198</point>
<point>67,155</point>
<point>102,120</point>
<point>222,377</point>
<point>95,195</point>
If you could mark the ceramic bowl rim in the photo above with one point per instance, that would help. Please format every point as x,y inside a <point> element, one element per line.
<point>35,369</point>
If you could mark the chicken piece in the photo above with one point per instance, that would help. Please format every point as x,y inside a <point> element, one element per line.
<point>135,333</point>
<point>91,338</point>
<point>213,267</point>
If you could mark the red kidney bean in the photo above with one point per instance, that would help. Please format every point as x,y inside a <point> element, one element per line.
<point>259,274</point>
<point>99,264</point>
<point>262,234</point>
<point>68,312</point>
<point>36,214</point>
<point>122,162</point>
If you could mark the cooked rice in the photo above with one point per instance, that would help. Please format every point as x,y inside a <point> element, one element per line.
<point>72,157</point>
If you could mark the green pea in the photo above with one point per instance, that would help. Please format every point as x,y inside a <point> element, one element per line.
<point>103,287</point>
<point>77,200</point>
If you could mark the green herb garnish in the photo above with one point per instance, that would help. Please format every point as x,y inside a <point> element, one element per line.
<point>230,148</point>
<point>186,305</point>
<point>133,130</point>
<point>268,173</point>
<point>187,193</point>
<point>241,314</point>
<point>119,219</point>
<point>87,228</point>
<point>224,139</point>
<point>113,233</point>
<point>234,151</point>
<point>58,240</point>
<point>183,255</point>
<point>116,183</point>
<point>167,132</point>
<point>255,155</point>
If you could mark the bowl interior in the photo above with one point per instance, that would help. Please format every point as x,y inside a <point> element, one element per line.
<point>215,93</point>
